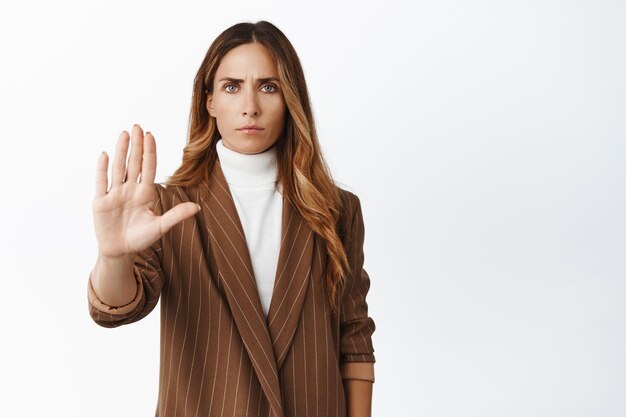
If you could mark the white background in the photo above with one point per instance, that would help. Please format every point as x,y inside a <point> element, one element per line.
<point>486,140</point>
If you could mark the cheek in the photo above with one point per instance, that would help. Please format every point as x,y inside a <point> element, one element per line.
<point>223,108</point>
<point>279,110</point>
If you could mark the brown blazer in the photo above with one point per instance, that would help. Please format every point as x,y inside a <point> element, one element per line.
<point>220,355</point>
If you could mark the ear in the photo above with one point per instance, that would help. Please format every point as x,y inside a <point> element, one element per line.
<point>209,105</point>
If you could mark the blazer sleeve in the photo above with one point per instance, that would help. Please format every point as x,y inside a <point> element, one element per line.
<point>148,274</point>
<point>356,328</point>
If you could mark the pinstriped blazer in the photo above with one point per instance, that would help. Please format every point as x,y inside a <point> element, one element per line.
<point>220,355</point>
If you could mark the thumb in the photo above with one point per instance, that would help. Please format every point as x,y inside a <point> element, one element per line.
<point>177,214</point>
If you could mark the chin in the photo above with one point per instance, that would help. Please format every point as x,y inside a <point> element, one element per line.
<point>248,146</point>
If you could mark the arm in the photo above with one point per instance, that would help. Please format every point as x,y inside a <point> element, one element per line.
<point>125,285</point>
<point>146,277</point>
<point>112,283</point>
<point>112,280</point>
<point>358,397</point>
<point>357,351</point>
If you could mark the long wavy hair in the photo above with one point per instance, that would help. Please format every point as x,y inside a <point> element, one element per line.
<point>302,171</point>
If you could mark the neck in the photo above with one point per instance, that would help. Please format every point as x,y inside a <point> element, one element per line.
<point>247,169</point>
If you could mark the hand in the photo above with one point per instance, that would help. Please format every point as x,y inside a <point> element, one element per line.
<point>123,218</point>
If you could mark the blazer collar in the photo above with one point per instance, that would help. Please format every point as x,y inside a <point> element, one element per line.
<point>267,340</point>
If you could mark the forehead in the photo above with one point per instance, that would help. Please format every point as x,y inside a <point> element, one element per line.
<point>248,60</point>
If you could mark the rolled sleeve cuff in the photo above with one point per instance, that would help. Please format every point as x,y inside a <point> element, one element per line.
<point>357,370</point>
<point>121,310</point>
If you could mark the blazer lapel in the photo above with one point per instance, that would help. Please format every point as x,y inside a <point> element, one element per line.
<point>292,276</point>
<point>266,340</point>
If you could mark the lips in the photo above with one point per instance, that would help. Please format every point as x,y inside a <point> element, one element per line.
<point>250,127</point>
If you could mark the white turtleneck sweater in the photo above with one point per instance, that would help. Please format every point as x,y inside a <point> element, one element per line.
<point>251,178</point>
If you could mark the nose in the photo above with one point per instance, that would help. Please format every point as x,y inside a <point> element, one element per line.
<point>251,105</point>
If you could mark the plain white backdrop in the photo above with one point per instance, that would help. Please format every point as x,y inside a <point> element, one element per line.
<point>486,140</point>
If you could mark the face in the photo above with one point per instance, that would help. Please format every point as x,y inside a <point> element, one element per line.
<point>246,91</point>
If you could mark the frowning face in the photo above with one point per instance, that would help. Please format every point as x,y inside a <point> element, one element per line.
<point>246,91</point>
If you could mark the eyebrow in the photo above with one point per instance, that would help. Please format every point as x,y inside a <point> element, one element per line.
<point>259,80</point>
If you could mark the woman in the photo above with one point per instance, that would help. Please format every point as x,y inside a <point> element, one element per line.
<point>254,252</point>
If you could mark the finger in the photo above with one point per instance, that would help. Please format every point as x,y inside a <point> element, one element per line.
<point>101,175</point>
<point>148,166</point>
<point>119,159</point>
<point>136,151</point>
<point>177,214</point>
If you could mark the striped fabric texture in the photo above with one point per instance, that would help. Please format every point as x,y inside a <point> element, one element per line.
<point>220,355</point>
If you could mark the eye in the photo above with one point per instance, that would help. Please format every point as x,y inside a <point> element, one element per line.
<point>229,85</point>
<point>271,85</point>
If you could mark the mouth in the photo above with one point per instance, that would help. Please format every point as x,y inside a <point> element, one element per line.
<point>250,127</point>
<point>250,130</point>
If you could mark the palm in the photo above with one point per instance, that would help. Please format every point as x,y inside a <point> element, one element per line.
<point>123,216</point>
<point>124,220</point>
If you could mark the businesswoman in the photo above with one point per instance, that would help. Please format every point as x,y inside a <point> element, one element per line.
<point>254,252</point>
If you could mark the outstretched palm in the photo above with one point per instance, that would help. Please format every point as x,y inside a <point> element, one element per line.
<point>123,216</point>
